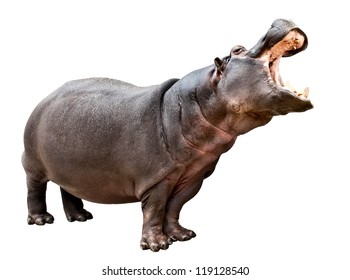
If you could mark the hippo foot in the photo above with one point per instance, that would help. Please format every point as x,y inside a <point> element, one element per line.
<point>40,219</point>
<point>80,215</point>
<point>155,241</point>
<point>179,233</point>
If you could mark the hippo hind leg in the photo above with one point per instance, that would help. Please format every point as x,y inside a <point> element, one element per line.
<point>36,197</point>
<point>36,190</point>
<point>36,200</point>
<point>74,208</point>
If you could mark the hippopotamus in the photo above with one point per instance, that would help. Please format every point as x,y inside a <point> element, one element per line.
<point>108,141</point>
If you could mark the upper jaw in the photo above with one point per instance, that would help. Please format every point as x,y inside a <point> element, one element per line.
<point>283,39</point>
<point>278,30</point>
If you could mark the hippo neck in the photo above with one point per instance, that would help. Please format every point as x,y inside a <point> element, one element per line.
<point>198,130</point>
<point>206,121</point>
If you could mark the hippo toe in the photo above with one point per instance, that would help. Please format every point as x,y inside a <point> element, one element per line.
<point>155,242</point>
<point>40,219</point>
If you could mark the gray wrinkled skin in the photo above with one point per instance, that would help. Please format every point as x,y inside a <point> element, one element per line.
<point>108,141</point>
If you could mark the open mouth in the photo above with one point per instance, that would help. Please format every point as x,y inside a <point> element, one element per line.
<point>291,42</point>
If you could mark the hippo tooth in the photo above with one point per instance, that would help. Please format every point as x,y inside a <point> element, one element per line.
<point>304,93</point>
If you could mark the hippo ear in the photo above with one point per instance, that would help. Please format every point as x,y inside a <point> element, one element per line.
<point>220,65</point>
<point>219,69</point>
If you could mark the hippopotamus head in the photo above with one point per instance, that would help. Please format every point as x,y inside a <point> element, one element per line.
<point>249,80</point>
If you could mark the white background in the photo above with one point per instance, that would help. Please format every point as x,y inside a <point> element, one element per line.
<point>278,201</point>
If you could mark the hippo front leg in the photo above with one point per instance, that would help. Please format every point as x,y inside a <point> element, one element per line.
<point>153,206</point>
<point>172,227</point>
